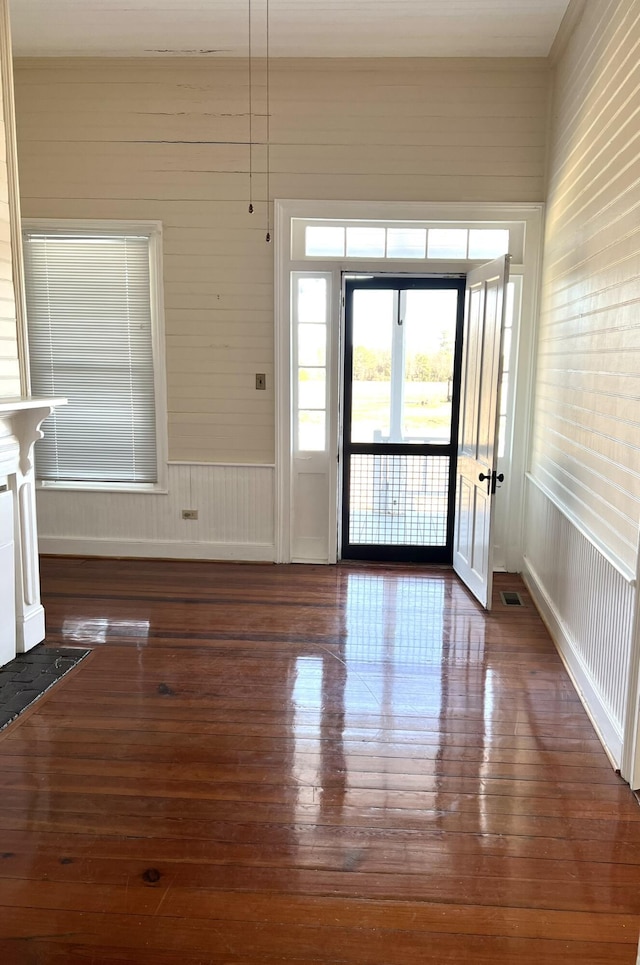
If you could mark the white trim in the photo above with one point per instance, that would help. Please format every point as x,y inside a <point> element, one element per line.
<point>631,756</point>
<point>30,629</point>
<point>156,248</point>
<point>334,414</point>
<point>91,226</point>
<point>485,212</point>
<point>619,566</point>
<point>157,549</point>
<point>406,210</point>
<point>282,380</point>
<point>523,385</point>
<point>152,230</point>
<point>606,728</point>
<point>53,485</point>
<point>223,465</point>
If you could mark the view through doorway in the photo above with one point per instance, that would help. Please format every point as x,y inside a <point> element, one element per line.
<point>400,423</point>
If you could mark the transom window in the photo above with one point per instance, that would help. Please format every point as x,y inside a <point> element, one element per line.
<point>413,242</point>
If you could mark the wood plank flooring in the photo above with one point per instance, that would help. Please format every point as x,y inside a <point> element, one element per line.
<point>307,765</point>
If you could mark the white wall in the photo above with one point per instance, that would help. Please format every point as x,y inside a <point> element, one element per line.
<point>584,486</point>
<point>167,139</point>
<point>9,364</point>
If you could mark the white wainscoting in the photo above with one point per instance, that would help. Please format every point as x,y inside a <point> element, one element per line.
<point>235,517</point>
<point>587,602</point>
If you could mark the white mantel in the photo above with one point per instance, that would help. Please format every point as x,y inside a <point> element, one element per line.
<point>20,421</point>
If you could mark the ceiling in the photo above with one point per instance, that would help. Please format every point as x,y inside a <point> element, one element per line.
<point>298,28</point>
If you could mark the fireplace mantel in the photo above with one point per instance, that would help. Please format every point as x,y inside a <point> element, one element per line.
<point>20,421</point>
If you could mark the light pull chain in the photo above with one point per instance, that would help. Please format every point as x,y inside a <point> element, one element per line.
<point>250,112</point>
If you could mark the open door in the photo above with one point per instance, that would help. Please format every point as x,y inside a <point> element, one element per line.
<point>476,474</point>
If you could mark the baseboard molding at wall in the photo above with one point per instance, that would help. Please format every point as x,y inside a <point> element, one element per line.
<point>30,629</point>
<point>158,549</point>
<point>606,729</point>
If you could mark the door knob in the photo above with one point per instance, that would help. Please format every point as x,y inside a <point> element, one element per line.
<point>492,478</point>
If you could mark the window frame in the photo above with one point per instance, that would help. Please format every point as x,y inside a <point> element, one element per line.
<point>153,231</point>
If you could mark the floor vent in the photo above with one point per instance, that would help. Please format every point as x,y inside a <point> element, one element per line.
<point>511,598</point>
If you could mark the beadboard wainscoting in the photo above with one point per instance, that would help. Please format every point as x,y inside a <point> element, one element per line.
<point>235,517</point>
<point>587,603</point>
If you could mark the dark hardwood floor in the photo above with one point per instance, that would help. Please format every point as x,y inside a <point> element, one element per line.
<point>300,765</point>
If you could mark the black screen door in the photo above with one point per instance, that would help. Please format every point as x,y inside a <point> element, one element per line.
<point>401,403</point>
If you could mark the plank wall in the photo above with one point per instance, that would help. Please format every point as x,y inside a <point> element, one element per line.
<point>584,486</point>
<point>587,439</point>
<point>167,139</point>
<point>9,365</point>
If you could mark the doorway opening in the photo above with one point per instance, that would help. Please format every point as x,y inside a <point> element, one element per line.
<point>402,356</point>
<point>318,244</point>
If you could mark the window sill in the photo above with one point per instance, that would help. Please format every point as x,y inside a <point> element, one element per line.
<point>154,489</point>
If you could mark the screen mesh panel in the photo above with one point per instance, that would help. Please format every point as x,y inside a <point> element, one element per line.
<point>398,500</point>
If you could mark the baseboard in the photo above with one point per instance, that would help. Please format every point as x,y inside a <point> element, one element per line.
<point>158,549</point>
<point>606,729</point>
<point>30,629</point>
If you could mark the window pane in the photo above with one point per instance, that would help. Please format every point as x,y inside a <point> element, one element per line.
<point>502,435</point>
<point>488,243</point>
<point>365,242</point>
<point>447,243</point>
<point>373,321</point>
<point>504,390</point>
<point>324,241</point>
<point>406,242</point>
<point>506,349</point>
<point>312,301</point>
<point>429,327</point>
<point>312,345</point>
<point>510,304</point>
<point>311,431</point>
<point>312,388</point>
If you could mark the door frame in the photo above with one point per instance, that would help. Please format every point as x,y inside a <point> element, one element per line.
<point>525,218</point>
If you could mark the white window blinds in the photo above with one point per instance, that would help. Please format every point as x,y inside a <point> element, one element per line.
<point>91,340</point>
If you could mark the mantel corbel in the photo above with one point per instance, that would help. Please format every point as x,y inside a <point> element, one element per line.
<point>21,419</point>
<point>27,424</point>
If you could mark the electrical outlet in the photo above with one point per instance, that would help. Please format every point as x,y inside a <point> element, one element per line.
<point>261,380</point>
<point>189,513</point>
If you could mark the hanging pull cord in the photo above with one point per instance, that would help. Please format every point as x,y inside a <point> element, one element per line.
<point>250,45</point>
<point>268,235</point>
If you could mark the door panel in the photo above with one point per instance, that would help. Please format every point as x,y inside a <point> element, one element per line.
<point>477,448</point>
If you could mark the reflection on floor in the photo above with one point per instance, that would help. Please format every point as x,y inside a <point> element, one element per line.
<point>263,764</point>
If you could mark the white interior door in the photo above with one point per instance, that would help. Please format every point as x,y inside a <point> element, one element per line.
<point>476,477</point>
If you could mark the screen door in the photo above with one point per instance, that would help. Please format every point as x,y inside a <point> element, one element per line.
<point>400,421</point>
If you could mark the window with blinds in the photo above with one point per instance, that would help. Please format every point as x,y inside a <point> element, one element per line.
<point>90,311</point>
